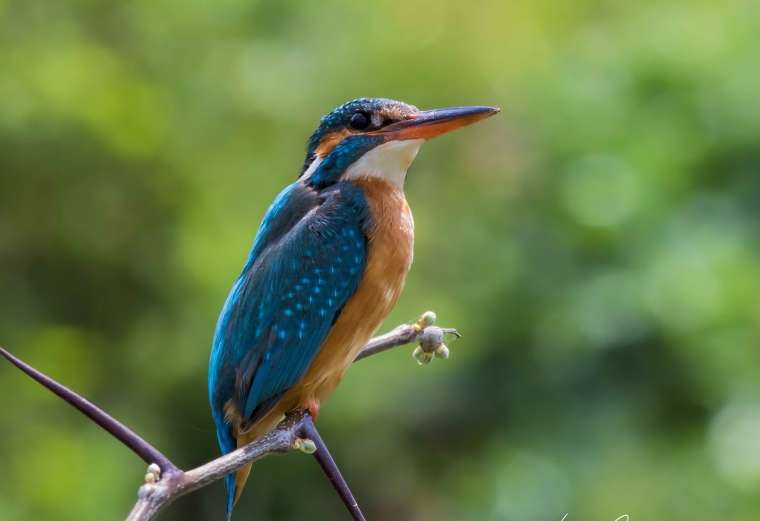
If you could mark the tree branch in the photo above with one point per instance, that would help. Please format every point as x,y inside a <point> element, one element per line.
<point>158,491</point>
<point>165,482</point>
<point>430,338</point>
<point>118,430</point>
<point>330,468</point>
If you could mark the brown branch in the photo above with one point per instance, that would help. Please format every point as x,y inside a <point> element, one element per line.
<point>165,482</point>
<point>118,430</point>
<point>429,337</point>
<point>158,491</point>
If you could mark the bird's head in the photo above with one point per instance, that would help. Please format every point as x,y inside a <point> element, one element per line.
<point>377,137</point>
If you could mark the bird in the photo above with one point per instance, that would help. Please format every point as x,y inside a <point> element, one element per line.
<point>327,265</point>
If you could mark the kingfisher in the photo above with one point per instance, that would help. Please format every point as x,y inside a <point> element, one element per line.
<point>327,265</point>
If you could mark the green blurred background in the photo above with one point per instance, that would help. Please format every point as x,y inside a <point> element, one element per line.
<point>596,243</point>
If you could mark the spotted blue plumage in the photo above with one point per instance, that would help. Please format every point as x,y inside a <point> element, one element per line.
<point>306,262</point>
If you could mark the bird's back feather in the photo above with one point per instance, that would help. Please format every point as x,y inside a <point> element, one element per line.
<point>306,261</point>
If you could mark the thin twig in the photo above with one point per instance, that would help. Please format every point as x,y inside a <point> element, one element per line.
<point>118,430</point>
<point>400,335</point>
<point>331,470</point>
<point>420,331</point>
<point>165,482</point>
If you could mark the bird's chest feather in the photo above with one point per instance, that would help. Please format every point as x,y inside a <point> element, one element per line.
<point>390,234</point>
<point>390,245</point>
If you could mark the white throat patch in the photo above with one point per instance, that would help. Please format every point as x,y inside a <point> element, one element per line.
<point>389,161</point>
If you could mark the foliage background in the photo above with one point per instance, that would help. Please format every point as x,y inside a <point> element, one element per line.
<point>596,243</point>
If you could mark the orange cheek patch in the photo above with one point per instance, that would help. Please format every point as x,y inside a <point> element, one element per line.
<point>329,142</point>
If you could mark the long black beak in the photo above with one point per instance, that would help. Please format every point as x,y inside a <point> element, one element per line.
<point>430,123</point>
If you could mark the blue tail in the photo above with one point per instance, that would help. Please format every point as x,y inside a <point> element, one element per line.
<point>229,482</point>
<point>227,444</point>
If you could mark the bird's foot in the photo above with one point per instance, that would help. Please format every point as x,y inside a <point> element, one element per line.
<point>312,407</point>
<point>431,339</point>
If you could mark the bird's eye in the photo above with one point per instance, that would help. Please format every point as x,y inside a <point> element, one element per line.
<point>359,121</point>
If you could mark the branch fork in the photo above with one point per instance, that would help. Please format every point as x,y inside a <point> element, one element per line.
<point>164,481</point>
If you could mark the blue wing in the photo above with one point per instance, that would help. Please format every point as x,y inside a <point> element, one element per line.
<point>307,260</point>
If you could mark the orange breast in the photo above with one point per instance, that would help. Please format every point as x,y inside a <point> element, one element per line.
<point>389,257</point>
